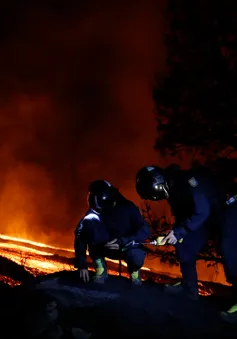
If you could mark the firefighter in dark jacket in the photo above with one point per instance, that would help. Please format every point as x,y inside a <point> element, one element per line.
<point>110,223</point>
<point>228,246</point>
<point>194,199</point>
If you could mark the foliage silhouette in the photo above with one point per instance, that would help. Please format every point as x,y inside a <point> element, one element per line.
<point>196,104</point>
<point>161,225</point>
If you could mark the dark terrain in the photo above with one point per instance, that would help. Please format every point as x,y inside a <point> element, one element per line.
<point>60,306</point>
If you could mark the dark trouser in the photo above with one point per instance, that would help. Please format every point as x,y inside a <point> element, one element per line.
<point>187,253</point>
<point>133,257</point>
<point>228,244</point>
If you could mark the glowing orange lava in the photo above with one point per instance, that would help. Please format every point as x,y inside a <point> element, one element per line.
<point>33,259</point>
<point>34,243</point>
<point>42,261</point>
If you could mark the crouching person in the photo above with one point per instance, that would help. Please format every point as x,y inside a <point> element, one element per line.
<point>111,222</point>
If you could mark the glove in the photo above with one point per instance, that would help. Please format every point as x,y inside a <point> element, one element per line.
<point>180,231</point>
<point>113,245</point>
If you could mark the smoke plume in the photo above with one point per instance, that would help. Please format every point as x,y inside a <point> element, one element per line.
<point>76,105</point>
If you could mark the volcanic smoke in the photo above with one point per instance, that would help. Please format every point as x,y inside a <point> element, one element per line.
<point>76,105</point>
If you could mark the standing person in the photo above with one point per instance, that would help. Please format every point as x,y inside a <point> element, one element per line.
<point>195,200</point>
<point>228,246</point>
<point>110,223</point>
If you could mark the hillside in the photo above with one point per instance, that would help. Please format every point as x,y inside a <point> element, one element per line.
<point>116,309</point>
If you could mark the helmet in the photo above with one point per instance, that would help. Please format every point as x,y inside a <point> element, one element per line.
<point>102,195</point>
<point>151,183</point>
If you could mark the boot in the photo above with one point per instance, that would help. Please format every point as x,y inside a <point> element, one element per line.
<point>179,289</point>
<point>101,272</point>
<point>136,278</point>
<point>230,316</point>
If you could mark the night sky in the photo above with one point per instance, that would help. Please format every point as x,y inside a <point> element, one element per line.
<point>76,105</point>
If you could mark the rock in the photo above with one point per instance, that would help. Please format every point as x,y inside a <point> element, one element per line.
<point>75,296</point>
<point>40,318</point>
<point>6,307</point>
<point>78,333</point>
<point>14,271</point>
<point>63,305</point>
<point>56,332</point>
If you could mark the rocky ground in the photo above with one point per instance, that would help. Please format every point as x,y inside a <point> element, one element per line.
<point>60,306</point>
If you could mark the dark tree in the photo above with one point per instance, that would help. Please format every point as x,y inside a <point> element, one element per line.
<point>196,104</point>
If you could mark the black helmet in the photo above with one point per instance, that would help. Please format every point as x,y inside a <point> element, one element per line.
<point>151,183</point>
<point>102,195</point>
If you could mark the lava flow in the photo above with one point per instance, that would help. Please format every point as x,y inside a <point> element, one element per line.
<point>40,259</point>
<point>35,257</point>
<point>43,260</point>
